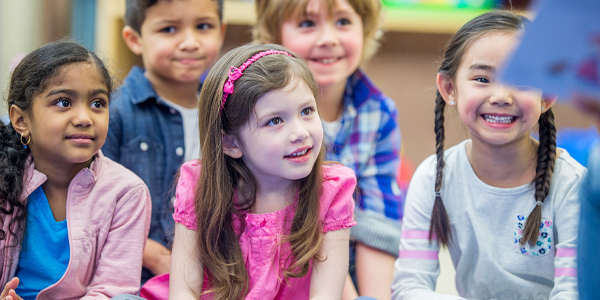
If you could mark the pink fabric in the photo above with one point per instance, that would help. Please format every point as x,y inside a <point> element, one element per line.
<point>263,233</point>
<point>417,234</point>
<point>157,288</point>
<point>566,252</point>
<point>410,254</point>
<point>108,216</point>
<point>565,272</point>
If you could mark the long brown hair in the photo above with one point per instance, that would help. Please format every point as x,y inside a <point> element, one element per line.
<point>221,175</point>
<point>546,154</point>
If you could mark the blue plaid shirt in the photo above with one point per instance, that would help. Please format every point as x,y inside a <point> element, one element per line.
<point>369,143</point>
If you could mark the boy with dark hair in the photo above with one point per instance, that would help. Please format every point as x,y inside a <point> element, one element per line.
<point>153,117</point>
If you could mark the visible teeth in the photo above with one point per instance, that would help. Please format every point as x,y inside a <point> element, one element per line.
<point>327,60</point>
<point>499,119</point>
<point>298,153</point>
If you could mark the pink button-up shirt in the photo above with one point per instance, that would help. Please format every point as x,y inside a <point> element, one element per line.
<point>260,241</point>
<point>108,216</point>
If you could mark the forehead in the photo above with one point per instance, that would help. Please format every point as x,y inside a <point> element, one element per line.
<point>79,75</point>
<point>179,9</point>
<point>314,7</point>
<point>491,49</point>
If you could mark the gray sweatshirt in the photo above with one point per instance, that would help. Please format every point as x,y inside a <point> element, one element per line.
<point>486,224</point>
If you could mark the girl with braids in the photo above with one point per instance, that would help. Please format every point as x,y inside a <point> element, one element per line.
<point>72,222</point>
<point>259,216</point>
<point>504,204</point>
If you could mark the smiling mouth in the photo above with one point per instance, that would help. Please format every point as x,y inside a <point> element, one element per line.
<point>498,119</point>
<point>299,153</point>
<point>326,61</point>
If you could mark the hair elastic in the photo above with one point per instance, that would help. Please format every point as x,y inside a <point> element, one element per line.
<point>540,203</point>
<point>236,73</point>
<point>25,143</point>
<point>438,194</point>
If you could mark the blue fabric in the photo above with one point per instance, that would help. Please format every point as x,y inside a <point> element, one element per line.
<point>45,254</point>
<point>578,141</point>
<point>588,258</point>
<point>143,135</point>
<point>369,143</point>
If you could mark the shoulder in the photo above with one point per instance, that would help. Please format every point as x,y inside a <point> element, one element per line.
<point>368,96</point>
<point>336,174</point>
<point>136,88</point>
<point>337,201</point>
<point>115,174</point>
<point>567,172</point>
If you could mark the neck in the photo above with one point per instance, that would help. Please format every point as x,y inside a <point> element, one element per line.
<point>331,101</point>
<point>504,166</point>
<point>180,93</point>
<point>274,197</point>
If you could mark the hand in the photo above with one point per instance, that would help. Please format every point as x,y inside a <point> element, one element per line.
<point>9,290</point>
<point>156,258</point>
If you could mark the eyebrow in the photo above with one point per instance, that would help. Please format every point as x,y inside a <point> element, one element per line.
<point>483,67</point>
<point>74,93</point>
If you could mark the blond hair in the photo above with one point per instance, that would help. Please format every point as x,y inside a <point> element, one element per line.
<point>271,14</point>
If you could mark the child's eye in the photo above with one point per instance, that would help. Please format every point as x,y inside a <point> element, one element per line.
<point>204,26</point>
<point>62,102</point>
<point>98,104</point>
<point>275,121</point>
<point>343,22</point>
<point>307,111</point>
<point>169,29</point>
<point>306,23</point>
<point>482,80</point>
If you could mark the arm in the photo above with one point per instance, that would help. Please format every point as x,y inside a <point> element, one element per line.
<point>417,266</point>
<point>120,263</point>
<point>185,280</point>
<point>566,218</point>
<point>156,257</point>
<point>329,276</point>
<point>378,231</point>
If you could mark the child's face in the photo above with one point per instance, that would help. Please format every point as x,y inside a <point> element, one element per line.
<point>332,45</point>
<point>281,142</point>
<point>494,113</point>
<point>68,121</point>
<point>179,39</point>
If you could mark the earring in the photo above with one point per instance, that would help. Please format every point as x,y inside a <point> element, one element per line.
<point>25,143</point>
<point>543,108</point>
<point>452,103</point>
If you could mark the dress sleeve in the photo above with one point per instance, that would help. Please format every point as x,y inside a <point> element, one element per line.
<point>185,212</point>
<point>566,218</point>
<point>337,202</point>
<point>417,267</point>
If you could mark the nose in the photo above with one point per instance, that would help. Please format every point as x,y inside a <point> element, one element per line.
<point>328,36</point>
<point>502,95</point>
<point>190,41</point>
<point>81,116</point>
<point>299,132</point>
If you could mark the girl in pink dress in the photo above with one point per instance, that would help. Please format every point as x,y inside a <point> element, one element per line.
<point>260,216</point>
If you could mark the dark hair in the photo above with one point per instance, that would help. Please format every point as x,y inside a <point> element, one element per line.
<point>455,50</point>
<point>135,12</point>
<point>31,77</point>
<point>221,175</point>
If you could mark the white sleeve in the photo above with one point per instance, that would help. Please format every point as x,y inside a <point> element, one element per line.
<point>417,266</point>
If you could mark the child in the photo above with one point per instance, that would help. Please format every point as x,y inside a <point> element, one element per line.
<point>360,123</point>
<point>504,204</point>
<point>153,121</point>
<point>262,218</point>
<point>74,222</point>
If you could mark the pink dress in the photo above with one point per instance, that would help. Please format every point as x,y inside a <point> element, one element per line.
<point>260,240</point>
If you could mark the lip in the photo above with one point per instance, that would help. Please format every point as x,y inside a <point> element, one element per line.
<point>325,60</point>
<point>508,118</point>
<point>300,158</point>
<point>81,138</point>
<point>188,61</point>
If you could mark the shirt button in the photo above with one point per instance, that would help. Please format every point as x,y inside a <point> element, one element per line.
<point>172,110</point>
<point>144,146</point>
<point>179,151</point>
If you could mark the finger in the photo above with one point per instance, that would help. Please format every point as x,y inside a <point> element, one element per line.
<point>11,285</point>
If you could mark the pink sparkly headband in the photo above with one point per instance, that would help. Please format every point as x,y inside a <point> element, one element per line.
<point>236,73</point>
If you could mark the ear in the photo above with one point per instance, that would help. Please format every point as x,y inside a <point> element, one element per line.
<point>230,146</point>
<point>548,101</point>
<point>133,39</point>
<point>19,120</point>
<point>446,87</point>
